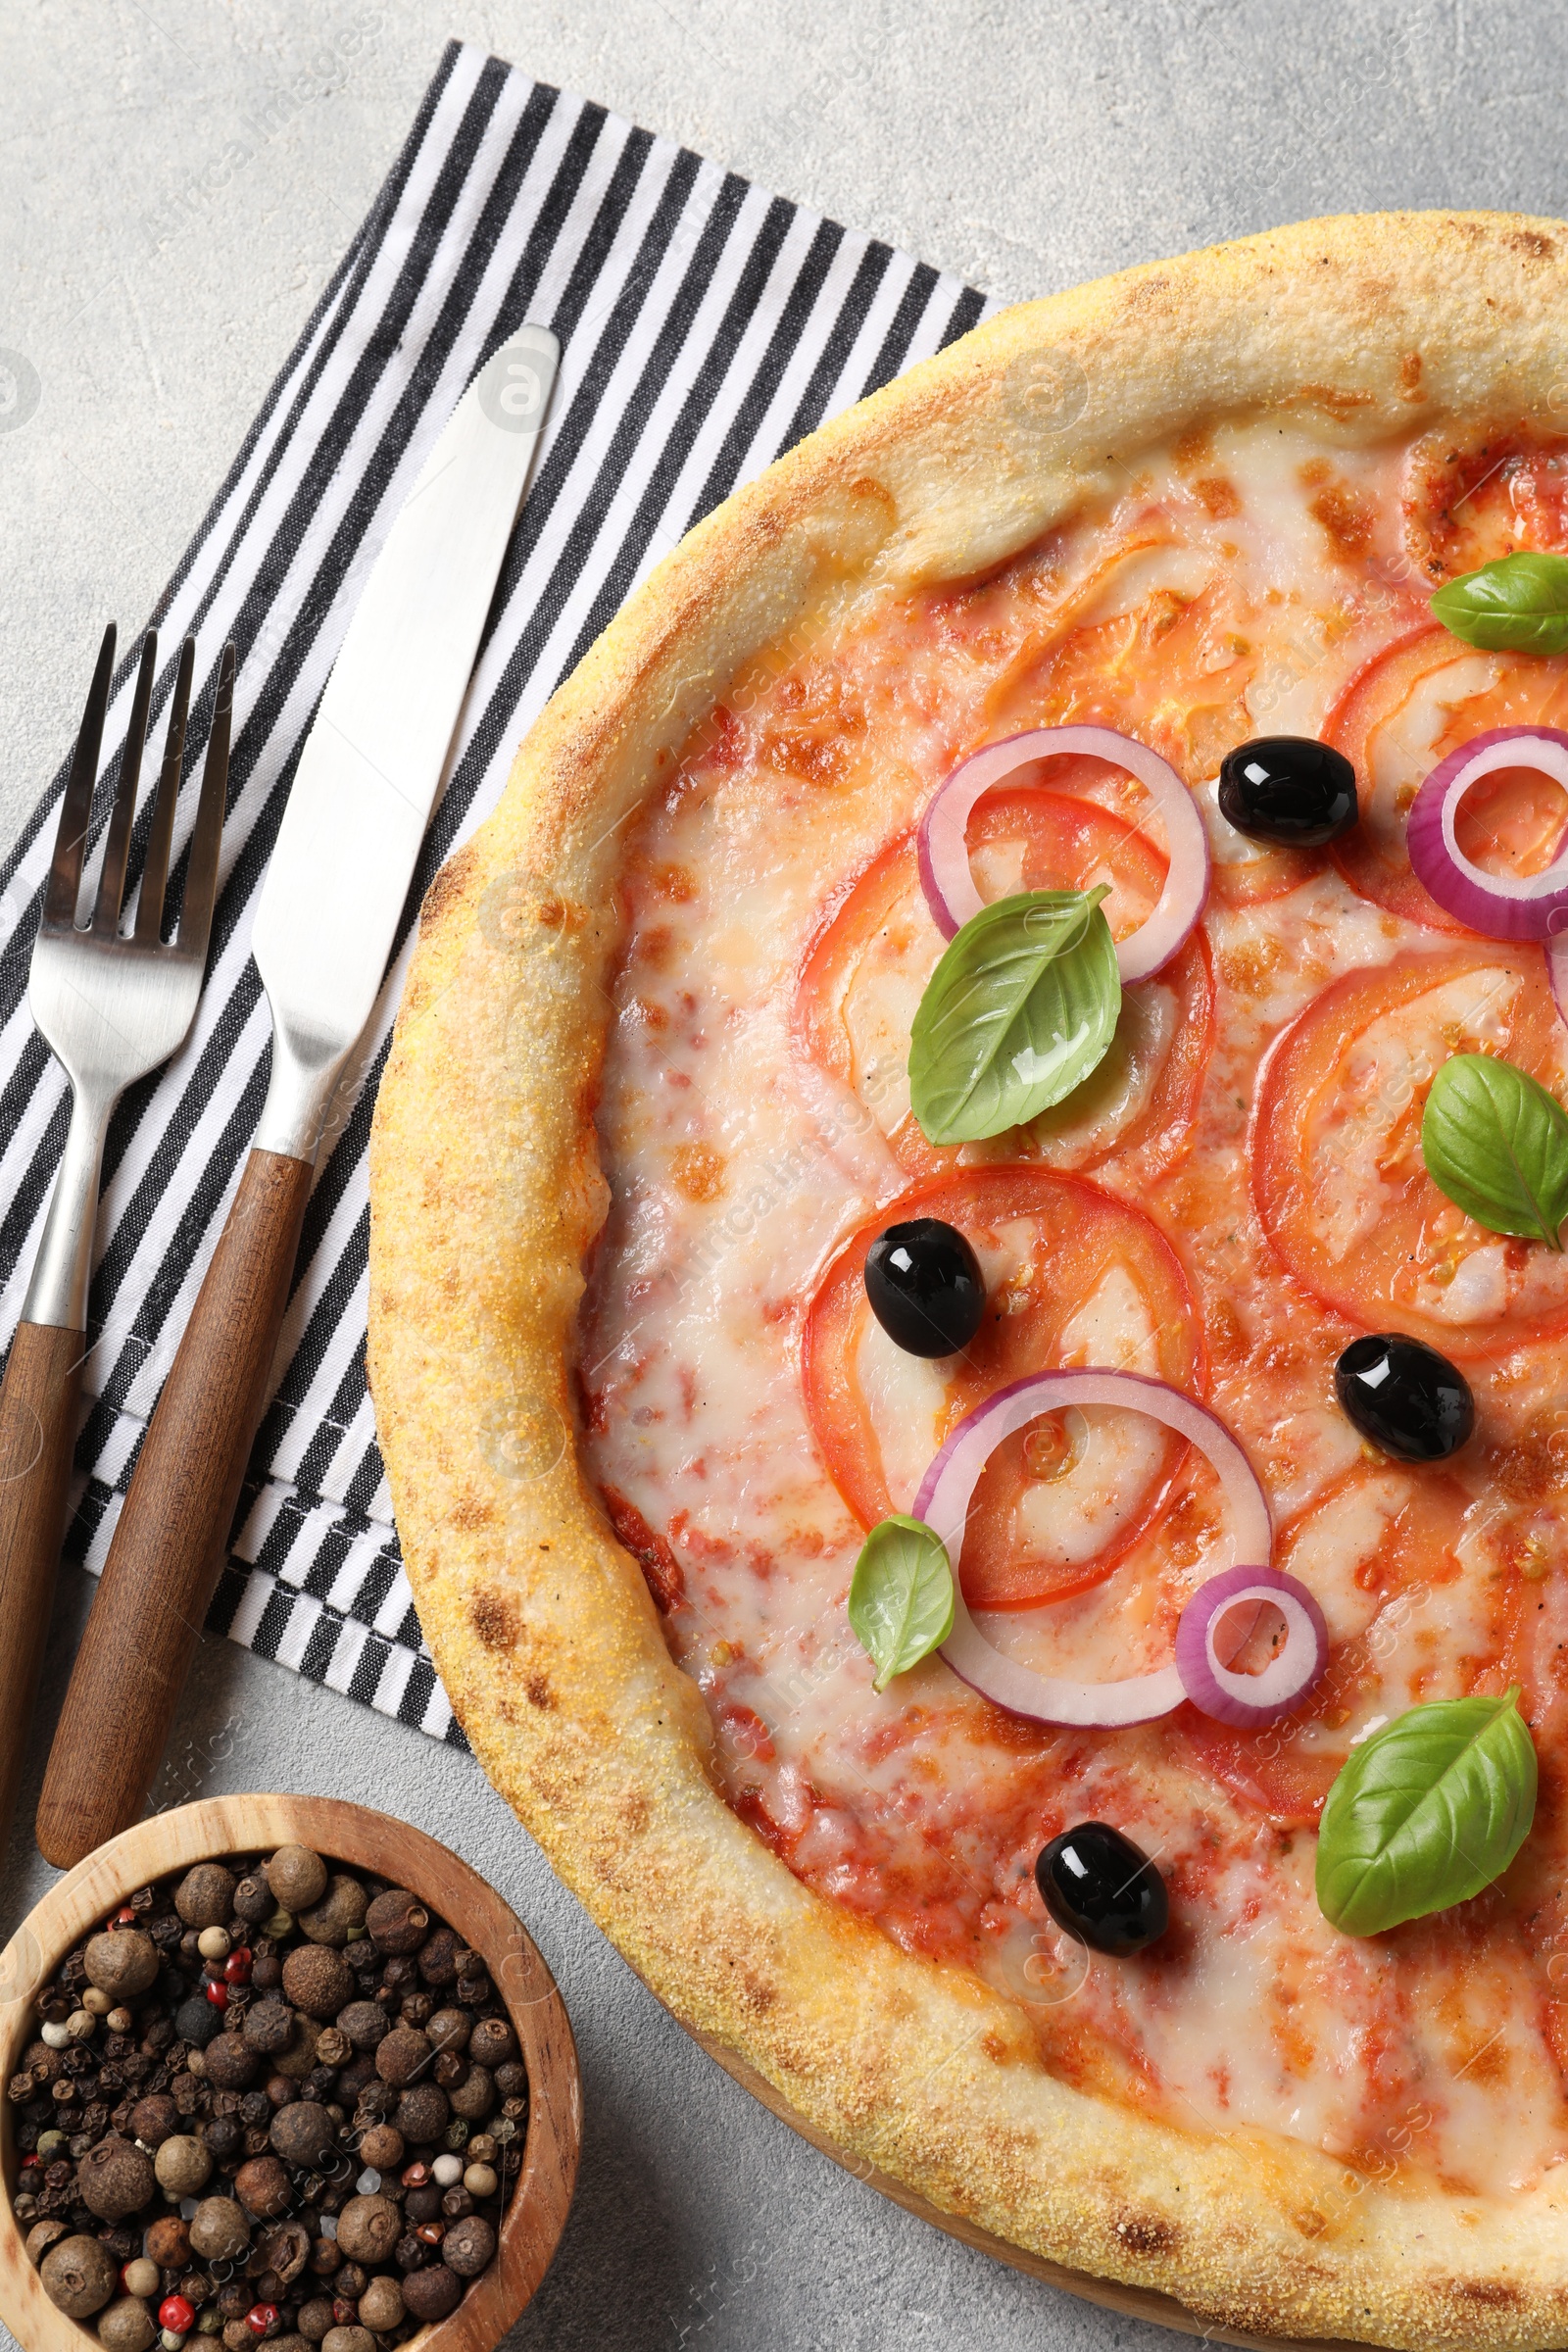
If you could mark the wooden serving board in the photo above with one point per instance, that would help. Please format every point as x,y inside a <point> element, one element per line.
<point>353,1837</point>
<point>1139,2303</point>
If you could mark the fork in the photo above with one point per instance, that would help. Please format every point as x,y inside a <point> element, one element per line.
<point>113,1008</point>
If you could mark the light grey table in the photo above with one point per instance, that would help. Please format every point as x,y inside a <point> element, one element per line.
<point>177,178</point>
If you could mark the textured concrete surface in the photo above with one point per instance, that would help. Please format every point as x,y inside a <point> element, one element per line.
<point>176,181</point>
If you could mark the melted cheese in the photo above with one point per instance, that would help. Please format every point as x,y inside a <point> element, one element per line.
<point>1223,594</point>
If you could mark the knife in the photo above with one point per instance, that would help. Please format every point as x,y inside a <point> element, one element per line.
<point>326,926</point>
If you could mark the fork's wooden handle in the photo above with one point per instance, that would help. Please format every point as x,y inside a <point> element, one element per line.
<point>174,1529</point>
<point>38,1405</point>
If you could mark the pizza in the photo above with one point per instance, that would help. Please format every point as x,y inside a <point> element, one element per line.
<point>968,1320</point>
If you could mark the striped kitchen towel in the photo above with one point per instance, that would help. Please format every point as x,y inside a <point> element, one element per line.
<point>705,327</point>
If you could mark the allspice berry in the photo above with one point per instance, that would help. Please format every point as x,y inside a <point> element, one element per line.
<point>303,2133</point>
<point>367,2229</point>
<point>338,1913</point>
<point>153,2119</point>
<point>230,2062</point>
<point>184,2166</point>
<point>168,2242</point>
<point>219,2231</point>
<point>297,1878</point>
<point>348,2339</point>
<point>469,2245</point>
<point>382,2305</point>
<point>438,1956</point>
<point>433,2293</point>
<point>383,2148</point>
<point>492,2042</point>
<point>262,2187</point>
<point>403,2055</point>
<point>254,1901</point>
<point>317,2318</point>
<point>297,2061</point>
<point>317,1980</point>
<point>78,2276</point>
<point>114,2179</point>
<point>450,2030</point>
<point>126,2325</point>
<point>205,1895</point>
<point>121,1962</point>
<point>474,2096</point>
<point>43,2234</point>
<point>365,2023</point>
<point>422,2112</point>
<point>397,1920</point>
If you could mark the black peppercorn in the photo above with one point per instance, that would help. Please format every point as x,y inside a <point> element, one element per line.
<point>223,2135</point>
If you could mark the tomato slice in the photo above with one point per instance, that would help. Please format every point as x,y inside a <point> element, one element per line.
<point>1072,1277</point>
<point>1406,708</point>
<point>1465,504</point>
<point>1338,1175</point>
<point>863,975</point>
<point>1153,644</point>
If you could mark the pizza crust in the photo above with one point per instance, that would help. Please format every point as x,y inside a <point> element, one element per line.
<point>487,1195</point>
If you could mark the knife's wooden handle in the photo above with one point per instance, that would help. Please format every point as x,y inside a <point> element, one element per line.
<point>40,1402</point>
<point>173,1530</point>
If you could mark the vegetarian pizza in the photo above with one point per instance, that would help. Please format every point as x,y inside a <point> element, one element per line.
<point>969,1313</point>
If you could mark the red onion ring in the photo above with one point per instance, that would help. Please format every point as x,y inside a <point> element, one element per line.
<point>1248,1701</point>
<point>949,884</point>
<point>1498,906</point>
<point>948,1489</point>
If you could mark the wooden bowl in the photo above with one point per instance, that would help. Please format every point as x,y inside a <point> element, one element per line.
<point>350,1834</point>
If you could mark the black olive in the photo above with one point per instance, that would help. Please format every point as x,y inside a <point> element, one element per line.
<point>1404,1396</point>
<point>1289,788</point>
<point>1097,1885</point>
<point>925,1287</point>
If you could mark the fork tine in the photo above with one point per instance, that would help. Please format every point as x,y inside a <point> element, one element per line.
<point>116,849</point>
<point>201,871</point>
<point>76,809</point>
<point>155,865</point>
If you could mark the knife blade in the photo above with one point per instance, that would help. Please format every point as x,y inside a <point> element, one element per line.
<point>366,778</point>
<point>326,926</point>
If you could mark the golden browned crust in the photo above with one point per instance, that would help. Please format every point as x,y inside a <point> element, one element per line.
<point>487,1195</point>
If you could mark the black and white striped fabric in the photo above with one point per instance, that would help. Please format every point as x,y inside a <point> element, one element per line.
<point>706,328</point>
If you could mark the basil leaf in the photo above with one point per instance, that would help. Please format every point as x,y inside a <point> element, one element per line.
<point>1021,1007</point>
<point>1426,1813</point>
<point>901,1595</point>
<point>1498,1144</point>
<point>1517,605</point>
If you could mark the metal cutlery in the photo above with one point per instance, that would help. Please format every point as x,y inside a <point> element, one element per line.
<point>112,1006</point>
<point>326,926</point>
